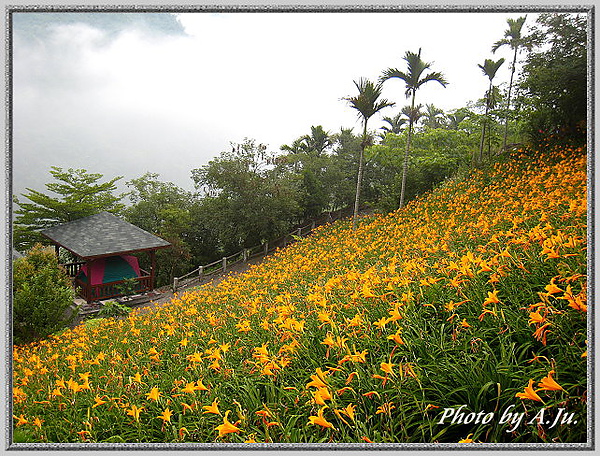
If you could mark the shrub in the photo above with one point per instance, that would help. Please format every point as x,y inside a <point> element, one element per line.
<point>113,309</point>
<point>42,293</point>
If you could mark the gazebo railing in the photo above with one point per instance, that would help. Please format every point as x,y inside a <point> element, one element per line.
<point>112,289</point>
<point>106,290</point>
<point>73,268</point>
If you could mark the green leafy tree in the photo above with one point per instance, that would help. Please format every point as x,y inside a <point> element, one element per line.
<point>489,68</point>
<point>74,194</point>
<point>247,200</point>
<point>308,162</point>
<point>516,41</point>
<point>554,80</point>
<point>42,294</point>
<point>437,154</point>
<point>367,103</point>
<point>168,211</point>
<point>149,196</point>
<point>342,168</point>
<point>414,79</point>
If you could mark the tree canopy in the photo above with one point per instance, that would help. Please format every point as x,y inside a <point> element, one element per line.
<point>74,193</point>
<point>554,79</point>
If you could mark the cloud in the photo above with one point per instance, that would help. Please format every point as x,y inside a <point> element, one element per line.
<point>121,96</point>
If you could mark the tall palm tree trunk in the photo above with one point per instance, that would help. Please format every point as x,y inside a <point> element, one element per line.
<point>512,73</point>
<point>485,122</point>
<point>482,138</point>
<point>359,177</point>
<point>407,150</point>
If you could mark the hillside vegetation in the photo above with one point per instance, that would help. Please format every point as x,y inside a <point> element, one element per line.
<point>473,296</point>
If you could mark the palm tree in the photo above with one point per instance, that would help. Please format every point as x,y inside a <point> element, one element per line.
<point>297,147</point>
<point>455,118</point>
<point>489,69</point>
<point>318,140</point>
<point>413,113</point>
<point>367,103</point>
<point>413,79</point>
<point>395,124</point>
<point>512,38</point>
<point>433,116</point>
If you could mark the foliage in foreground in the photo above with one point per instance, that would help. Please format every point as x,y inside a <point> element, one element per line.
<point>42,294</point>
<point>474,296</point>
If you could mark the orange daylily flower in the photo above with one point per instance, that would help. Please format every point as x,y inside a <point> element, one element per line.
<point>467,439</point>
<point>381,322</point>
<point>154,394</point>
<point>396,338</point>
<point>166,415</point>
<point>212,408</point>
<point>351,377</point>
<point>535,317</point>
<point>20,420</point>
<point>186,407</point>
<point>98,401</point>
<point>227,427</point>
<point>190,388</point>
<point>388,368</point>
<point>529,393</point>
<point>321,395</point>
<point>317,379</point>
<point>370,394</point>
<point>552,288</point>
<point>549,384</point>
<point>348,411</point>
<point>320,419</point>
<point>541,333</point>
<point>195,358</point>
<point>492,298</point>
<point>385,408</point>
<point>135,411</point>
<point>200,386</point>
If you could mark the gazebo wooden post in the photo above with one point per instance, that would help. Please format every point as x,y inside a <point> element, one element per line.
<point>88,285</point>
<point>57,250</point>
<point>152,268</point>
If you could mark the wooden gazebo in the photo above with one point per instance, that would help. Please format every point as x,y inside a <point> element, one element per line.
<point>100,238</point>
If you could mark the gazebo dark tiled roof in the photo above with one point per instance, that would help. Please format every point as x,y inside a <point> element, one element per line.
<point>102,235</point>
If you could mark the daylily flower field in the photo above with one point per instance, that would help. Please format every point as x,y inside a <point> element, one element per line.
<point>473,295</point>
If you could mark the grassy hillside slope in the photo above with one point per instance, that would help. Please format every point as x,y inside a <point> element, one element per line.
<point>472,296</point>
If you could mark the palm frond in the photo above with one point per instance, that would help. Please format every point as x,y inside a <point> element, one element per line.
<point>490,67</point>
<point>413,77</point>
<point>393,73</point>
<point>367,102</point>
<point>498,44</point>
<point>435,76</point>
<point>512,35</point>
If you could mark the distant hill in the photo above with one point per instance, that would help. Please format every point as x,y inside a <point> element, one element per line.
<point>38,25</point>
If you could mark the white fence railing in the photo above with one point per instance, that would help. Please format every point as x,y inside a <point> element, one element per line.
<point>220,266</point>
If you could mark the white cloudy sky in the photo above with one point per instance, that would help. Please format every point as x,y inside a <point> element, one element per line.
<point>139,101</point>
